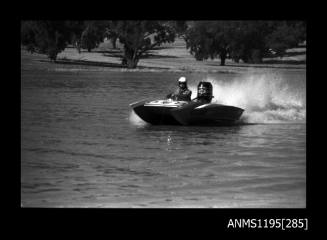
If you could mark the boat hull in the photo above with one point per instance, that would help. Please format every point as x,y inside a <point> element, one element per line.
<point>163,112</point>
<point>156,113</point>
<point>207,114</point>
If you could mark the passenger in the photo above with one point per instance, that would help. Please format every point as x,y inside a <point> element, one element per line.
<point>204,92</point>
<point>182,93</point>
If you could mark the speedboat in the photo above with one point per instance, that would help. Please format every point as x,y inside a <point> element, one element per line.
<point>199,111</point>
<point>168,112</point>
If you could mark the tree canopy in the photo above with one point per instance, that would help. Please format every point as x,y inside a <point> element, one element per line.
<point>93,34</point>
<point>138,37</point>
<point>48,37</point>
<point>248,41</point>
<point>209,39</point>
<point>245,40</point>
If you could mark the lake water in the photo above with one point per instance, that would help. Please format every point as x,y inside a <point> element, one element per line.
<point>82,145</point>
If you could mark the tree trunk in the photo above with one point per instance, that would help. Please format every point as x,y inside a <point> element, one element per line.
<point>78,46</point>
<point>130,57</point>
<point>256,56</point>
<point>222,59</point>
<point>132,63</point>
<point>223,55</point>
<point>52,54</point>
<point>113,42</point>
<point>245,59</point>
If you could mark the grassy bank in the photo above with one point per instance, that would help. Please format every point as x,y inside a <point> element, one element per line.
<point>169,57</point>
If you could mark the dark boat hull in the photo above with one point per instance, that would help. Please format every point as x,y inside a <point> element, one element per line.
<point>156,115</point>
<point>182,113</point>
<point>207,114</point>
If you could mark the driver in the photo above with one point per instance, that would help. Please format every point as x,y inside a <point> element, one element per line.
<point>204,92</point>
<point>182,93</point>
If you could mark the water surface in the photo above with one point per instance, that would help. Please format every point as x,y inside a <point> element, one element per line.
<point>82,146</point>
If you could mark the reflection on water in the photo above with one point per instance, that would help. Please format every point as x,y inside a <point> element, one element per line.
<point>82,146</point>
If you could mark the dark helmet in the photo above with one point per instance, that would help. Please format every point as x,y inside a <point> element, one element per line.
<point>205,91</point>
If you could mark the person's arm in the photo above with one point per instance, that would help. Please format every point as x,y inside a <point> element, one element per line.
<point>173,95</point>
<point>189,94</point>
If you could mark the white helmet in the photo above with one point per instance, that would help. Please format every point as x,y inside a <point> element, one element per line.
<point>182,80</point>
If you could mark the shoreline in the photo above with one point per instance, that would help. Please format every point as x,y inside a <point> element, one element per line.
<point>169,58</point>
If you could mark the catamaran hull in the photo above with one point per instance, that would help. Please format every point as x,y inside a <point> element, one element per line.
<point>207,114</point>
<point>156,114</point>
<point>161,112</point>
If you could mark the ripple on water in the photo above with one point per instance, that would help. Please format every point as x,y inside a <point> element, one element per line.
<point>80,148</point>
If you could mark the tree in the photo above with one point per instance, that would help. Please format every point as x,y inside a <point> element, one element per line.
<point>249,41</point>
<point>93,34</point>
<point>138,37</point>
<point>28,38</point>
<point>77,28</point>
<point>113,36</point>
<point>209,39</point>
<point>286,34</point>
<point>47,37</point>
<point>180,27</point>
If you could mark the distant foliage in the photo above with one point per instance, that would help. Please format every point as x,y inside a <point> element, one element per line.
<point>93,34</point>
<point>180,27</point>
<point>286,35</point>
<point>112,36</point>
<point>138,37</point>
<point>248,41</point>
<point>28,38</point>
<point>47,37</point>
<point>208,39</point>
<point>76,28</point>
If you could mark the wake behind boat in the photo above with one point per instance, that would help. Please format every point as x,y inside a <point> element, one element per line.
<point>195,112</point>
